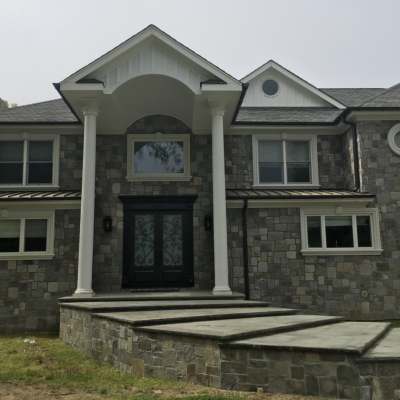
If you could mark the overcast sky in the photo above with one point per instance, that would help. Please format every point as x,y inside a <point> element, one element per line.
<point>330,43</point>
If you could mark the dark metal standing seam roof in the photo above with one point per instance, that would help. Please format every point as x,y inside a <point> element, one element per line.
<point>281,194</point>
<point>40,195</point>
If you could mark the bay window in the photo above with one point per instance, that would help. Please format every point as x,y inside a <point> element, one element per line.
<point>28,160</point>
<point>285,160</point>
<point>333,231</point>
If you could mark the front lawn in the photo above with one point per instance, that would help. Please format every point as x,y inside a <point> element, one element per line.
<point>42,367</point>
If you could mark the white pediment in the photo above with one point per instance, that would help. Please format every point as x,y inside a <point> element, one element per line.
<point>292,90</point>
<point>150,52</point>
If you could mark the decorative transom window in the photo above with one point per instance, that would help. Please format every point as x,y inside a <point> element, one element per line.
<point>337,231</point>
<point>394,138</point>
<point>158,157</point>
<point>282,160</point>
<point>27,235</point>
<point>29,160</point>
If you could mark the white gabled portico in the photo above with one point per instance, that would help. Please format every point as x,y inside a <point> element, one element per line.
<point>140,78</point>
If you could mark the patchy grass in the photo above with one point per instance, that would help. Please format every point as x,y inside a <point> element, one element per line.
<point>43,367</point>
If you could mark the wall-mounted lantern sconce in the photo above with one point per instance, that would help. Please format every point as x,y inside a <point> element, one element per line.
<point>107,224</point>
<point>208,223</point>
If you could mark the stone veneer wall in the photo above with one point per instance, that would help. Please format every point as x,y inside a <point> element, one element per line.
<point>29,290</point>
<point>111,170</point>
<point>359,287</point>
<point>203,361</point>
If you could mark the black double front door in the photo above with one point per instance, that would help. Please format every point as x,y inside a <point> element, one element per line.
<point>158,242</point>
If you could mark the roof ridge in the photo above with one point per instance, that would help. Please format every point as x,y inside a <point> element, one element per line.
<point>380,94</point>
<point>360,88</point>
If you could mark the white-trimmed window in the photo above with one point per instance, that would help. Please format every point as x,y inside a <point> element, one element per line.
<point>158,157</point>
<point>285,160</point>
<point>29,160</point>
<point>26,235</point>
<point>338,232</point>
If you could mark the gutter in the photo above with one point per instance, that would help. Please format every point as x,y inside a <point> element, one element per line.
<point>356,153</point>
<point>245,251</point>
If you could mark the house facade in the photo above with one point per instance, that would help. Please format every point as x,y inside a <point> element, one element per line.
<point>156,170</point>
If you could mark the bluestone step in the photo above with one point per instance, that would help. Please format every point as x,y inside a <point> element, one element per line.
<point>100,306</point>
<point>347,337</point>
<point>231,329</point>
<point>143,318</point>
<point>386,349</point>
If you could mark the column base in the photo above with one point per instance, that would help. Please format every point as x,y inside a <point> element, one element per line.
<point>83,293</point>
<point>222,291</point>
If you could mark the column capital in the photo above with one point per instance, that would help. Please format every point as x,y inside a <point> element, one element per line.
<point>217,111</point>
<point>90,111</point>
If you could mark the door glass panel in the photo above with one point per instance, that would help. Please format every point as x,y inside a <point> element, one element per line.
<point>144,240</point>
<point>172,240</point>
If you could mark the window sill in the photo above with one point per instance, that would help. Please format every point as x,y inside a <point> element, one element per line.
<point>26,256</point>
<point>341,252</point>
<point>159,178</point>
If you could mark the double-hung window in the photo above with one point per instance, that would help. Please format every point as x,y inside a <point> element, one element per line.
<point>330,231</point>
<point>285,160</point>
<point>28,160</point>
<point>27,235</point>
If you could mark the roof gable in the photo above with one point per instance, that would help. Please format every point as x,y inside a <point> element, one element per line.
<point>153,49</point>
<point>297,92</point>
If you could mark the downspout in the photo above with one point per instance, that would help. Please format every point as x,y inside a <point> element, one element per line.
<point>245,251</point>
<point>356,155</point>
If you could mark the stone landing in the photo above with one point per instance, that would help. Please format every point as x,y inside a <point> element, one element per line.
<point>236,344</point>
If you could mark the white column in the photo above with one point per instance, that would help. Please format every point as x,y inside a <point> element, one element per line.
<point>219,204</point>
<point>85,263</point>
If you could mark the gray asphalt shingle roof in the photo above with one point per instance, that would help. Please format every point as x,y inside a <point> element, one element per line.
<point>51,111</point>
<point>389,98</point>
<point>353,97</point>
<point>291,115</point>
<point>254,194</point>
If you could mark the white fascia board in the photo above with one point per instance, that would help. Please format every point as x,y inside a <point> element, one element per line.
<point>213,87</point>
<point>317,129</point>
<point>41,205</point>
<point>290,75</point>
<point>371,115</point>
<point>298,203</point>
<point>84,87</point>
<point>152,31</point>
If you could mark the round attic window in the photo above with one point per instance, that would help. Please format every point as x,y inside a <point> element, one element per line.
<point>270,87</point>
<point>394,138</point>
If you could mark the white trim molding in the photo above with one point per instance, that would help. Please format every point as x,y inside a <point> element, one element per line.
<point>353,212</point>
<point>26,138</point>
<point>158,137</point>
<point>22,216</point>
<point>391,138</point>
<point>285,137</point>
